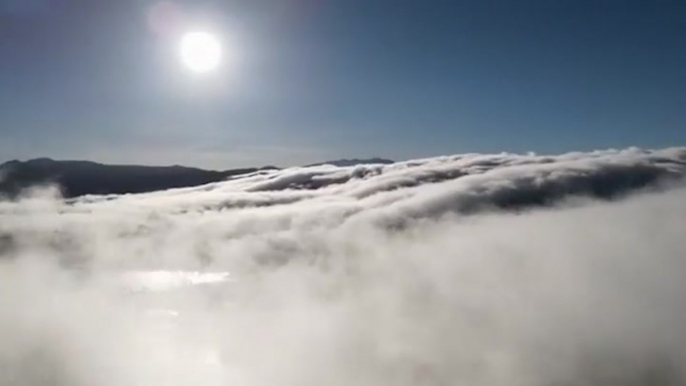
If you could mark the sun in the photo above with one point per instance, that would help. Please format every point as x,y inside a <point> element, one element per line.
<point>201,52</point>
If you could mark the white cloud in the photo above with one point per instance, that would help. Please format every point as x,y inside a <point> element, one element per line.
<point>472,269</point>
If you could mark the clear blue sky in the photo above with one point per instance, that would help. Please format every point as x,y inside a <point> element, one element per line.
<point>320,79</point>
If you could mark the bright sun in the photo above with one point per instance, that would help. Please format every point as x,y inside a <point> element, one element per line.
<point>201,52</point>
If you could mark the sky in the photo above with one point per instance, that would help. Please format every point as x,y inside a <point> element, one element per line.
<point>310,80</point>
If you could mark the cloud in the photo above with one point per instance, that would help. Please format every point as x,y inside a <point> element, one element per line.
<point>470,269</point>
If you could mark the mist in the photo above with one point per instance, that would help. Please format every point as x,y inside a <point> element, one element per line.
<point>482,270</point>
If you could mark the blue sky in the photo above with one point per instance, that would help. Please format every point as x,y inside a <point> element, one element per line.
<point>308,80</point>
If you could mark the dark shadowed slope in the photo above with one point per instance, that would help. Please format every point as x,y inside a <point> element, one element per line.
<point>355,161</point>
<point>78,178</point>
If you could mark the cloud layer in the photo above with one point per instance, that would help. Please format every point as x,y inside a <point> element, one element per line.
<point>470,269</point>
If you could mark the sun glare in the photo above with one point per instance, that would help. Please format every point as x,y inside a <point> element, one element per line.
<point>201,52</point>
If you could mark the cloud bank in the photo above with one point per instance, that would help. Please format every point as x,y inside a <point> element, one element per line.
<point>469,269</point>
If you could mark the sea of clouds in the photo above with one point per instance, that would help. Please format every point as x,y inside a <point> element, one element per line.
<point>480,270</point>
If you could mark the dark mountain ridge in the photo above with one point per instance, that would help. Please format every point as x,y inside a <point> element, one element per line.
<point>355,161</point>
<point>78,178</point>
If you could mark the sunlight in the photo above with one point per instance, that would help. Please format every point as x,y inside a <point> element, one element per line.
<point>201,52</point>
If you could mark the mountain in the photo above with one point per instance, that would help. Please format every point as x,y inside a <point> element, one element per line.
<point>355,161</point>
<point>78,178</point>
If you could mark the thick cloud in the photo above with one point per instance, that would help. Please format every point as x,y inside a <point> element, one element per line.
<point>471,269</point>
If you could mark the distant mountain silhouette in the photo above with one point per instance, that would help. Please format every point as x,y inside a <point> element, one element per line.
<point>355,161</point>
<point>78,178</point>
